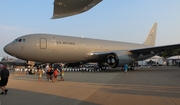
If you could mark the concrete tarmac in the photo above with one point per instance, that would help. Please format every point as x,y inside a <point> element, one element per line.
<point>144,86</point>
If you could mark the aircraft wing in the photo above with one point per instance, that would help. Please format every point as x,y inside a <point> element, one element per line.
<point>102,56</point>
<point>15,62</point>
<point>156,49</point>
<point>64,8</point>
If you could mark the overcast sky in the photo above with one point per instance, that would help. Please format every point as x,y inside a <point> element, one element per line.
<point>119,20</point>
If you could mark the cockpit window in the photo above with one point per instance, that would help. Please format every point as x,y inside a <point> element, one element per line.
<point>24,40</point>
<point>16,40</point>
<point>19,40</point>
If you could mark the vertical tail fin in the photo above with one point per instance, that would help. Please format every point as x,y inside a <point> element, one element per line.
<point>150,40</point>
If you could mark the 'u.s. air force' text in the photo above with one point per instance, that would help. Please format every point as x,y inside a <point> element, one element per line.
<point>69,43</point>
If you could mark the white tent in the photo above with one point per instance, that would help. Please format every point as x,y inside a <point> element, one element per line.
<point>174,58</point>
<point>152,61</point>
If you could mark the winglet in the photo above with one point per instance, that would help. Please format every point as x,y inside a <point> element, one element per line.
<point>150,40</point>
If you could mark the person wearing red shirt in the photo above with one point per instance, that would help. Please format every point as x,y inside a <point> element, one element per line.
<point>55,74</point>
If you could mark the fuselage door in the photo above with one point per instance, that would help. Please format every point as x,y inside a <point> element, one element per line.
<point>43,43</point>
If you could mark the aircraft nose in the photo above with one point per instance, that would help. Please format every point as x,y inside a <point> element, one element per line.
<point>7,49</point>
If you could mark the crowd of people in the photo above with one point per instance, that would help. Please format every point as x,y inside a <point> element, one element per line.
<point>52,73</point>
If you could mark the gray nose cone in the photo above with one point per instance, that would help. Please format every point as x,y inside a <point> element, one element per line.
<point>7,49</point>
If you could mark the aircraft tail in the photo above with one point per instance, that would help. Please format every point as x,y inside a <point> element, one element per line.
<point>151,38</point>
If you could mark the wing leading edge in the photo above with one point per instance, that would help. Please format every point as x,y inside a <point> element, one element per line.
<point>156,49</point>
<point>64,8</point>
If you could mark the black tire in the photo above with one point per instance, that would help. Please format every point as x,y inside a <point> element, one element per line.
<point>122,68</point>
<point>132,67</point>
<point>103,68</point>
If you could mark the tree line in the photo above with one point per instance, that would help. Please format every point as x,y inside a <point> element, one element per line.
<point>169,53</point>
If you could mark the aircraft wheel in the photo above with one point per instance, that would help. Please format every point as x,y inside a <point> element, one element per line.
<point>132,67</point>
<point>122,69</point>
<point>103,68</point>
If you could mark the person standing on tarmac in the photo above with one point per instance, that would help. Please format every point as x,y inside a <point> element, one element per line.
<point>49,74</point>
<point>39,74</point>
<point>62,75</point>
<point>4,74</point>
<point>126,69</point>
<point>55,75</point>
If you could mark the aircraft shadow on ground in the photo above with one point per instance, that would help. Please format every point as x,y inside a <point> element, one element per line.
<point>23,97</point>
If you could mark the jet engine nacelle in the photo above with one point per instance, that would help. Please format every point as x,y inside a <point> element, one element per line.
<point>119,59</point>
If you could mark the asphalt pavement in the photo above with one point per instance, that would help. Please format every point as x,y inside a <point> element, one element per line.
<point>143,86</point>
